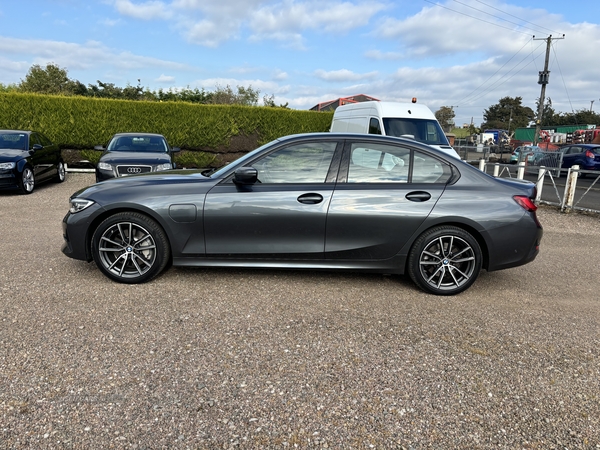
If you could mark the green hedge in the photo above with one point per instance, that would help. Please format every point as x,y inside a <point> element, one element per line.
<point>79,122</point>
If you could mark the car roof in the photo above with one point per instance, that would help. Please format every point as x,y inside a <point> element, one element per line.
<point>138,134</point>
<point>16,131</point>
<point>364,137</point>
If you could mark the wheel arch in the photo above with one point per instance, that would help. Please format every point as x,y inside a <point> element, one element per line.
<point>468,227</point>
<point>95,223</point>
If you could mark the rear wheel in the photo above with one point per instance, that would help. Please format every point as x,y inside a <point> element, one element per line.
<point>27,181</point>
<point>61,172</point>
<point>445,260</point>
<point>130,248</point>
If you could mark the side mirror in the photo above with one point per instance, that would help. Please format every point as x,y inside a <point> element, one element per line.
<point>175,149</point>
<point>36,147</point>
<point>99,147</point>
<point>245,176</point>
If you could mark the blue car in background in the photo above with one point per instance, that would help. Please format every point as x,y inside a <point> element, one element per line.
<point>586,156</point>
<point>528,153</point>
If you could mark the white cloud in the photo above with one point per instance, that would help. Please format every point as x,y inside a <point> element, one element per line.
<point>332,17</point>
<point>145,11</point>
<point>92,56</point>
<point>378,55</point>
<point>165,79</point>
<point>210,23</point>
<point>343,75</point>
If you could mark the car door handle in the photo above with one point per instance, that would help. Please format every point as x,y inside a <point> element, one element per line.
<point>310,199</point>
<point>418,196</point>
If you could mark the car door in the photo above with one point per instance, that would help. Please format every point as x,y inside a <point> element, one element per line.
<point>284,213</point>
<point>43,157</point>
<point>570,155</point>
<point>384,193</point>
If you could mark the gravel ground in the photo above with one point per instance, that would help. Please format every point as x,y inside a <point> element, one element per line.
<point>271,359</point>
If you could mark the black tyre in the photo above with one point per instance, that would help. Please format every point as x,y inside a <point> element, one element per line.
<point>61,172</point>
<point>445,260</point>
<point>130,248</point>
<point>27,181</point>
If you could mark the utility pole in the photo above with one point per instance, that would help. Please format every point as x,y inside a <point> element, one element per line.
<point>543,80</point>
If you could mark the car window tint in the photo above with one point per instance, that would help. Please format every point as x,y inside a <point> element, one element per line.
<point>427,169</point>
<point>33,139</point>
<point>44,140</point>
<point>374,127</point>
<point>301,163</point>
<point>376,163</point>
<point>155,144</point>
<point>13,140</point>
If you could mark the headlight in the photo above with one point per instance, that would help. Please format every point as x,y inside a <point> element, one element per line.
<point>79,204</point>
<point>104,166</point>
<point>165,166</point>
<point>9,165</point>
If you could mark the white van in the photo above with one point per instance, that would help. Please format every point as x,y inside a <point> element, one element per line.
<point>408,120</point>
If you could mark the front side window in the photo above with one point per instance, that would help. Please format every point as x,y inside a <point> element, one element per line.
<point>33,139</point>
<point>374,127</point>
<point>300,163</point>
<point>44,140</point>
<point>377,163</point>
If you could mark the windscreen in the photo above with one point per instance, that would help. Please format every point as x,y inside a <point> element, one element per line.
<point>18,141</point>
<point>128,143</point>
<point>423,130</point>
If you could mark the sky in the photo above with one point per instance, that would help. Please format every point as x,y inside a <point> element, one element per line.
<point>465,54</point>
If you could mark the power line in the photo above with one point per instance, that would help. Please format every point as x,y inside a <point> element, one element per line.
<point>496,17</point>
<point>476,97</point>
<point>476,18</point>
<point>516,17</point>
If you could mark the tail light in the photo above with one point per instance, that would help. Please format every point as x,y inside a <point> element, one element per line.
<point>525,202</point>
<point>589,154</point>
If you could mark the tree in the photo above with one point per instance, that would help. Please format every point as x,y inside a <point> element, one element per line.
<point>269,100</point>
<point>49,80</point>
<point>580,117</point>
<point>508,114</point>
<point>245,96</point>
<point>548,113</point>
<point>8,87</point>
<point>445,116</point>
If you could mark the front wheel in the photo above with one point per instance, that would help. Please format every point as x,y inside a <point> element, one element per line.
<point>27,181</point>
<point>445,260</point>
<point>130,248</point>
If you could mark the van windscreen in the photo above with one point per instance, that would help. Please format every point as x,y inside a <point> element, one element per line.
<point>422,130</point>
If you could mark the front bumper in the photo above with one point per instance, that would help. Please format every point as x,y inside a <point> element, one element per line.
<point>76,235</point>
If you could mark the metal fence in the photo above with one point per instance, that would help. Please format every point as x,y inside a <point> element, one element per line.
<point>567,197</point>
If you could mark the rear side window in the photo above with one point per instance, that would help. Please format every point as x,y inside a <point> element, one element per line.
<point>380,163</point>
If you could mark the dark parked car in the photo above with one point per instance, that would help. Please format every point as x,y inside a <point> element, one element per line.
<point>586,156</point>
<point>314,201</point>
<point>28,158</point>
<point>132,153</point>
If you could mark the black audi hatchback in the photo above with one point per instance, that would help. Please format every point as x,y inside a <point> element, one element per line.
<point>28,158</point>
<point>322,201</point>
<point>134,153</point>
